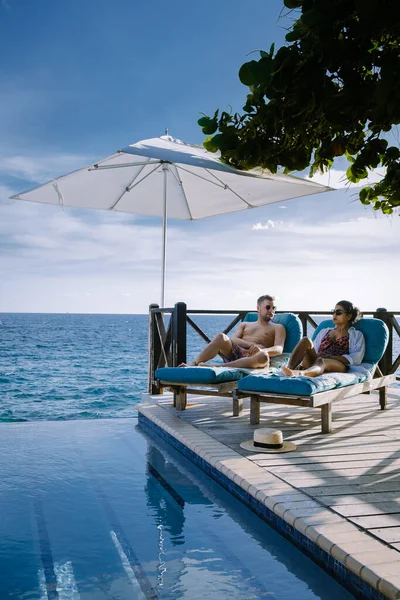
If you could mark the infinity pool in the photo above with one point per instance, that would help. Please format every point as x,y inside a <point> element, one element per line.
<point>98,510</point>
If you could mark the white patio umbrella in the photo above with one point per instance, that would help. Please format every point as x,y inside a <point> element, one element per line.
<point>167,177</point>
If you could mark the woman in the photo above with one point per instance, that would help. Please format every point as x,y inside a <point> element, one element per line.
<point>334,349</point>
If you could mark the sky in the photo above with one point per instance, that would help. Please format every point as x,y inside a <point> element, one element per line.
<point>83,78</point>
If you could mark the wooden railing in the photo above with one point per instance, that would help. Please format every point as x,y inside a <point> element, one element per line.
<point>168,346</point>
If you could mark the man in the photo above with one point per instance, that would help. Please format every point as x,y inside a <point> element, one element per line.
<point>252,344</point>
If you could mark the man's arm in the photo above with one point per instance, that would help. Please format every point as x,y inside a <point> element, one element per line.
<point>279,341</point>
<point>237,337</point>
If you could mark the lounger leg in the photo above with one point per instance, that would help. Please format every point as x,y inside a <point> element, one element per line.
<point>326,418</point>
<point>254,410</point>
<point>237,404</point>
<point>383,397</point>
<point>180,398</point>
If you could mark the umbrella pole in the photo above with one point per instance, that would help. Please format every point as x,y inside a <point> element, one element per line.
<point>164,236</point>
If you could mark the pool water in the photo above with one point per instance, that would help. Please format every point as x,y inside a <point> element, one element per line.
<point>100,510</point>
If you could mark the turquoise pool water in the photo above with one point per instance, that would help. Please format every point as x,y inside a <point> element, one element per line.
<point>99,510</point>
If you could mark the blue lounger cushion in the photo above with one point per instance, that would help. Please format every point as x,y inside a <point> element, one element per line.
<point>215,375</point>
<point>303,386</point>
<point>203,375</point>
<point>376,337</point>
<point>211,375</point>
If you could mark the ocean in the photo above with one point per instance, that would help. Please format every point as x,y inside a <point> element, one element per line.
<point>74,366</point>
<point>78,366</point>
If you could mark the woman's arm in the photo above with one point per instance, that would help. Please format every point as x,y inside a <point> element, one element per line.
<point>356,347</point>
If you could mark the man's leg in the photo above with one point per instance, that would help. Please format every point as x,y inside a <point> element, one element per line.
<point>257,361</point>
<point>221,343</point>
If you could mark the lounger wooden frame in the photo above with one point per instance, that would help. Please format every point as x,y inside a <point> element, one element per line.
<point>225,390</point>
<point>322,400</point>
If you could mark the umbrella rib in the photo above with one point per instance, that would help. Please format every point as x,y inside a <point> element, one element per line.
<point>179,181</point>
<point>201,177</point>
<point>96,167</point>
<point>143,178</point>
<point>219,184</point>
<point>130,186</point>
<point>231,190</point>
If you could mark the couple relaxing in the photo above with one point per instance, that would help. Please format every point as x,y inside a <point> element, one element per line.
<point>335,349</point>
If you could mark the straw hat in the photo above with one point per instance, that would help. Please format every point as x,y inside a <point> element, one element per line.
<point>268,440</point>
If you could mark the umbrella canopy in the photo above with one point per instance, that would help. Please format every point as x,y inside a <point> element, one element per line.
<point>167,177</point>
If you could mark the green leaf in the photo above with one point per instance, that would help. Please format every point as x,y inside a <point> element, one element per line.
<point>387,210</point>
<point>208,125</point>
<point>349,157</point>
<point>351,176</point>
<point>292,3</point>
<point>367,195</point>
<point>210,145</point>
<point>248,73</point>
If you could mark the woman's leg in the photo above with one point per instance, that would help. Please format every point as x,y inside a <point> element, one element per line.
<point>304,353</point>
<point>321,365</point>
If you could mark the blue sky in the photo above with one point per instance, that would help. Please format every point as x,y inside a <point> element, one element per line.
<point>81,79</point>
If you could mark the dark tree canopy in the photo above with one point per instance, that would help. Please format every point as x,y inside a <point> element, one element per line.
<point>333,90</point>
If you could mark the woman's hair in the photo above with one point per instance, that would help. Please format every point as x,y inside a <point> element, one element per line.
<point>352,310</point>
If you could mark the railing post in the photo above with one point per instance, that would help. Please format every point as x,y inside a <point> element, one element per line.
<point>303,319</point>
<point>385,364</point>
<point>179,334</point>
<point>154,351</point>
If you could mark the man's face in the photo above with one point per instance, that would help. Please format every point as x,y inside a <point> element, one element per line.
<point>266,310</point>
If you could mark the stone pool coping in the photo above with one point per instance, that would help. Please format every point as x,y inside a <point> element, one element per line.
<point>363,564</point>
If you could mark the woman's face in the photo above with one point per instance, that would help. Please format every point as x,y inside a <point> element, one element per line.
<point>340,316</point>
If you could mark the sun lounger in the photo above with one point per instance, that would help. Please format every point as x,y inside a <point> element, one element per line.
<point>221,381</point>
<point>321,392</point>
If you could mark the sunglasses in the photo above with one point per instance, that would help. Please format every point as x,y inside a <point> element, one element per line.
<point>269,307</point>
<point>337,312</point>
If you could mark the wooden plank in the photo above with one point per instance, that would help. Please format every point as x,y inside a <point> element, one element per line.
<point>337,450</point>
<point>344,474</point>
<point>378,521</point>
<point>395,546</point>
<point>373,466</point>
<point>342,490</point>
<point>368,509</point>
<point>370,497</point>
<point>389,534</point>
<point>350,390</point>
<point>393,480</point>
<point>278,398</point>
<point>333,460</point>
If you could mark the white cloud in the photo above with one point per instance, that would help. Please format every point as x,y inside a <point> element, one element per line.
<point>40,167</point>
<point>94,261</point>
<point>268,225</point>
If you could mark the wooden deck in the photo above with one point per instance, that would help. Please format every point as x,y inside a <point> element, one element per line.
<point>342,489</point>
